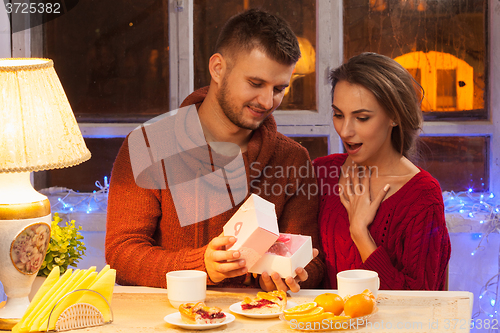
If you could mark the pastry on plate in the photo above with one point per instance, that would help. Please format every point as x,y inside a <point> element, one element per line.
<point>270,302</point>
<point>199,313</point>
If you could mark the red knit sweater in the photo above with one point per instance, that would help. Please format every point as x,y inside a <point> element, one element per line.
<point>409,230</point>
<point>144,239</point>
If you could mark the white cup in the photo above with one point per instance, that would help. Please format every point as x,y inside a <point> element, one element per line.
<point>188,286</point>
<point>355,281</point>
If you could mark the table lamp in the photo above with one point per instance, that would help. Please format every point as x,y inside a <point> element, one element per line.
<point>38,131</point>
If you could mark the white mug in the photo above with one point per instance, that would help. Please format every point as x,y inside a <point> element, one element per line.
<point>187,286</point>
<point>355,281</point>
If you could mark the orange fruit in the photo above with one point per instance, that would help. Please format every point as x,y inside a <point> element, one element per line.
<point>360,304</point>
<point>369,293</point>
<point>331,303</point>
<point>315,317</point>
<point>320,317</point>
<point>301,308</point>
<point>305,316</point>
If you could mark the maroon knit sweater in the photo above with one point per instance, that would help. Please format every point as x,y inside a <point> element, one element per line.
<point>413,245</point>
<point>144,239</point>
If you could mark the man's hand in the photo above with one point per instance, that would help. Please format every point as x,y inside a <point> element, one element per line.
<point>274,282</point>
<point>217,259</point>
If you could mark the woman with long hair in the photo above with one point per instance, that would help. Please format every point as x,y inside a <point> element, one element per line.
<point>379,211</point>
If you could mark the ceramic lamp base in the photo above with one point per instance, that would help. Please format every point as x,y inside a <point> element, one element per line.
<point>13,307</point>
<point>23,244</point>
<point>8,324</point>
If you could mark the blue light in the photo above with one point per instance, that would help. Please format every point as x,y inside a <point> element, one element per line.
<point>470,190</point>
<point>481,221</point>
<point>492,195</point>
<point>471,215</point>
<point>492,302</point>
<point>71,209</point>
<point>482,196</point>
<point>475,235</point>
<point>472,253</point>
<point>496,210</point>
<point>59,199</point>
<point>452,198</point>
<point>461,211</point>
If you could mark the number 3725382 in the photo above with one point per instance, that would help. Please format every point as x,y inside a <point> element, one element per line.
<point>478,324</point>
<point>32,8</point>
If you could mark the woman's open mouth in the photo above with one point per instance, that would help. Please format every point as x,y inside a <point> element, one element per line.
<point>352,148</point>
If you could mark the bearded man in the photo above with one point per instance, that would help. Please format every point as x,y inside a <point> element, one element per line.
<point>255,56</point>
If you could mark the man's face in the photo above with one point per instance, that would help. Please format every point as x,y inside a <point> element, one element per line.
<point>253,88</point>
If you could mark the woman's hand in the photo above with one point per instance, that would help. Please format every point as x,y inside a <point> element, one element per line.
<point>361,209</point>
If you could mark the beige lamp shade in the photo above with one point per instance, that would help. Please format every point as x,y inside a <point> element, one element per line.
<point>38,130</point>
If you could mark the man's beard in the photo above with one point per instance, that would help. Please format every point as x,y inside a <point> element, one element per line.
<point>231,111</point>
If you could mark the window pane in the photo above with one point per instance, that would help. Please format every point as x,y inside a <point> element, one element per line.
<point>441,43</point>
<point>82,177</point>
<point>210,16</point>
<point>317,146</point>
<point>458,163</point>
<point>112,58</point>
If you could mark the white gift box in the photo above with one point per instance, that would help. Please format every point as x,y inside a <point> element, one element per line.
<point>301,253</point>
<point>256,228</point>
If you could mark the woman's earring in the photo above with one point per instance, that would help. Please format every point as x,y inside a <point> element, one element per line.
<point>394,124</point>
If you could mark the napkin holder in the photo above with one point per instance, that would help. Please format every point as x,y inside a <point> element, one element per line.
<point>79,315</point>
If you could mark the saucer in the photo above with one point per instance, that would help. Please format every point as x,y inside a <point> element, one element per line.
<point>236,308</point>
<point>175,319</point>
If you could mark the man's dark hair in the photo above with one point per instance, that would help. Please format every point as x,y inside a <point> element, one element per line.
<point>255,28</point>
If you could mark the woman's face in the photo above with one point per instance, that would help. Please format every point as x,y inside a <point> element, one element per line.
<point>362,124</point>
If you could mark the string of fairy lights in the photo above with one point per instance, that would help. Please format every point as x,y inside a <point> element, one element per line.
<point>483,207</point>
<point>70,201</point>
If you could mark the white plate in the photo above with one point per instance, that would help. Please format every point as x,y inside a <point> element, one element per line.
<point>236,308</point>
<point>175,319</point>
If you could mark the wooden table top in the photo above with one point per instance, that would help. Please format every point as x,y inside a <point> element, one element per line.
<point>141,309</point>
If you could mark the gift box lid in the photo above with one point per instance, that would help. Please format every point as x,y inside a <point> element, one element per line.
<point>255,226</point>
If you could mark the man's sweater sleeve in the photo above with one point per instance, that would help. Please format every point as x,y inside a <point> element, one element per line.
<point>132,218</point>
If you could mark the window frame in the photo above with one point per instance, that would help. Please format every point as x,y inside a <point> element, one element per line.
<point>329,16</point>
<point>5,35</point>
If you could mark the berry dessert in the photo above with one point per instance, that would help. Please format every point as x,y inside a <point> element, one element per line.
<point>199,313</point>
<point>271,302</point>
<point>281,246</point>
